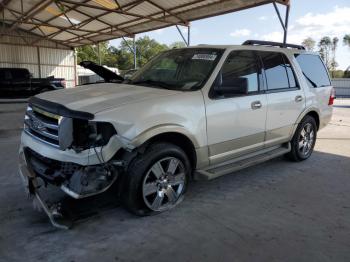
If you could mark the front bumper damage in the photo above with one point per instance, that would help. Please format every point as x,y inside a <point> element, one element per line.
<point>39,166</point>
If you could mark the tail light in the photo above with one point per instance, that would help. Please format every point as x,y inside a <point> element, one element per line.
<point>331,97</point>
<point>63,83</point>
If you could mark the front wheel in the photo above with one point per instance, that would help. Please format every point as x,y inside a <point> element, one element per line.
<point>156,180</point>
<point>304,139</point>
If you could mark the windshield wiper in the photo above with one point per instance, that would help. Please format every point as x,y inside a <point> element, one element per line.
<point>151,83</point>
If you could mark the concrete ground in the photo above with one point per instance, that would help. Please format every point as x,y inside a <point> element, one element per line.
<point>276,211</point>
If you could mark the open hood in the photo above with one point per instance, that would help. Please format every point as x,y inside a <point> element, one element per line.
<point>101,71</point>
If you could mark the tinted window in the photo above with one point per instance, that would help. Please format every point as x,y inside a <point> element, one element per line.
<point>20,73</point>
<point>313,69</point>
<point>240,71</point>
<point>276,71</point>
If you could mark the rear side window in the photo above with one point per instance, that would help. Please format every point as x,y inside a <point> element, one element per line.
<point>313,70</point>
<point>278,71</point>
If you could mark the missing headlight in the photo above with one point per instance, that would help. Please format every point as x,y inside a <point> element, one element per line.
<point>88,134</point>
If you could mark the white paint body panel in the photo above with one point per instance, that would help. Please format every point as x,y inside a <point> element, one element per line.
<point>138,113</point>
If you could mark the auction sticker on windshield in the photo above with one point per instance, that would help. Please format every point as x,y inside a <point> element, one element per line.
<point>210,57</point>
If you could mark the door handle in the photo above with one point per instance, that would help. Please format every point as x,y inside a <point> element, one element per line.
<point>256,105</point>
<point>298,98</point>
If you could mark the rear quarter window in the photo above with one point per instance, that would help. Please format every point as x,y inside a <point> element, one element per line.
<point>313,70</point>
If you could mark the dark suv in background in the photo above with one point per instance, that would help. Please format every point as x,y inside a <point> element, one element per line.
<point>15,81</point>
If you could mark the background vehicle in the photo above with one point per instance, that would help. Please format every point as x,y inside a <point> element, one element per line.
<point>129,73</point>
<point>191,113</point>
<point>20,80</point>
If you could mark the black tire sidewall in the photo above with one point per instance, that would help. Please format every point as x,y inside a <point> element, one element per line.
<point>295,142</point>
<point>132,183</point>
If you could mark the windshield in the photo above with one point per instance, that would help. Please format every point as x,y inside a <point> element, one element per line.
<point>178,69</point>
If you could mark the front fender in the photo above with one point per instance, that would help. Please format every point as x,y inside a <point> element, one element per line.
<point>161,129</point>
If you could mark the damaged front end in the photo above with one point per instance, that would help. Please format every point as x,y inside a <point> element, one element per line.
<point>63,149</point>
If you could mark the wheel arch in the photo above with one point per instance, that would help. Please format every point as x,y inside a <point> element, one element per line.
<point>312,111</point>
<point>175,134</point>
<point>178,139</point>
<point>315,116</point>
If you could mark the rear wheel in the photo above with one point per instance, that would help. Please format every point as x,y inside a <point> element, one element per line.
<point>304,139</point>
<point>156,180</point>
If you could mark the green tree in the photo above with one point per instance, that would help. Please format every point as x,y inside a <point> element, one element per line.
<point>346,40</point>
<point>309,44</point>
<point>347,73</point>
<point>122,57</point>
<point>179,44</point>
<point>327,51</point>
<point>146,48</point>
<point>93,52</point>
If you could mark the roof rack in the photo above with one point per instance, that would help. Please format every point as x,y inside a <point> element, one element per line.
<point>269,43</point>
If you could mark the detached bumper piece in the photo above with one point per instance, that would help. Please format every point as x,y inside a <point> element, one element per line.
<point>55,214</point>
<point>75,180</point>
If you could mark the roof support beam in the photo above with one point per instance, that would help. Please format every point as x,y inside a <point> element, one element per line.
<point>183,38</point>
<point>54,17</point>
<point>3,4</point>
<point>132,49</point>
<point>32,12</point>
<point>118,11</point>
<point>134,21</point>
<point>167,11</point>
<point>38,24</point>
<point>284,23</point>
<point>83,23</point>
<point>130,6</point>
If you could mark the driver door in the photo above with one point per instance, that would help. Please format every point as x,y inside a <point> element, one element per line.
<point>236,108</point>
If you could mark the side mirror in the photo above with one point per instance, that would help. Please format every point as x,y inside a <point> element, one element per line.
<point>232,86</point>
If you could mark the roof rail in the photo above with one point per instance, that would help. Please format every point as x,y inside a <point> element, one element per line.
<point>269,43</point>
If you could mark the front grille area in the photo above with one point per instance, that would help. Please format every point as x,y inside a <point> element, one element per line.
<point>50,170</point>
<point>42,125</point>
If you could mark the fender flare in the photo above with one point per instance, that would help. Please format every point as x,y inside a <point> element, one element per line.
<point>302,115</point>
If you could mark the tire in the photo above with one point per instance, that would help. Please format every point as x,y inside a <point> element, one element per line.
<point>156,180</point>
<point>304,139</point>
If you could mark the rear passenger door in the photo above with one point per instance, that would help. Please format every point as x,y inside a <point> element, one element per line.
<point>285,99</point>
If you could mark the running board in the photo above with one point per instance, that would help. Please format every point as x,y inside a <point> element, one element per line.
<point>242,162</point>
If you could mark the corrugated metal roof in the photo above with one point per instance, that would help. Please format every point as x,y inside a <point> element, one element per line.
<point>78,22</point>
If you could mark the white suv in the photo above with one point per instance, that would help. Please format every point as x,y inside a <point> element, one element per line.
<point>190,113</point>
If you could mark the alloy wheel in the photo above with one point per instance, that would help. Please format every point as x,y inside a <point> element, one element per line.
<point>164,184</point>
<point>306,139</point>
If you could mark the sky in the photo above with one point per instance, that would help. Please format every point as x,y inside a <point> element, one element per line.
<point>314,18</point>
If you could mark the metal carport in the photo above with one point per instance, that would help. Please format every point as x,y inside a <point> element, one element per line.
<point>69,24</point>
